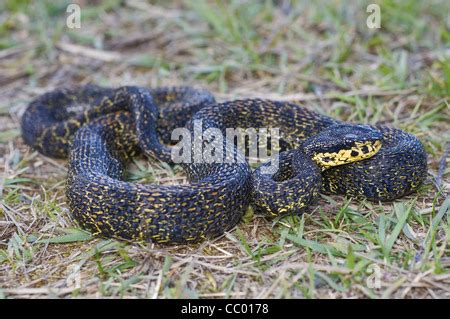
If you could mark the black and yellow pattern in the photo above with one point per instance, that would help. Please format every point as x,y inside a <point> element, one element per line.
<point>101,128</point>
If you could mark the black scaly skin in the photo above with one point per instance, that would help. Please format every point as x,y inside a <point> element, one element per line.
<point>51,119</point>
<point>112,125</point>
<point>106,205</point>
<point>395,171</point>
<point>290,190</point>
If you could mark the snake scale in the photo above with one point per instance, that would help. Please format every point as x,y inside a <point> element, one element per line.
<point>99,129</point>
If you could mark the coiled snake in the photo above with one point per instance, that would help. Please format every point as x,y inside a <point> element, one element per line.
<point>99,129</point>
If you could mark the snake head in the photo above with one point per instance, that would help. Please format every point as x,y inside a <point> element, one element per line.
<point>342,144</point>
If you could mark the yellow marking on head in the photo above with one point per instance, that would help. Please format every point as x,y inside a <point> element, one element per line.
<point>360,151</point>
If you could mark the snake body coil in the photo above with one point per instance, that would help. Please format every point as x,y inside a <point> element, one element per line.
<point>101,128</point>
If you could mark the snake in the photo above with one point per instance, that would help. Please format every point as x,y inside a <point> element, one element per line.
<point>100,129</point>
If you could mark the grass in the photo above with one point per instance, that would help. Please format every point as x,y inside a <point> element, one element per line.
<point>319,53</point>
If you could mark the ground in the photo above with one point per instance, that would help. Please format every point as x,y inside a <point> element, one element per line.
<point>321,54</point>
